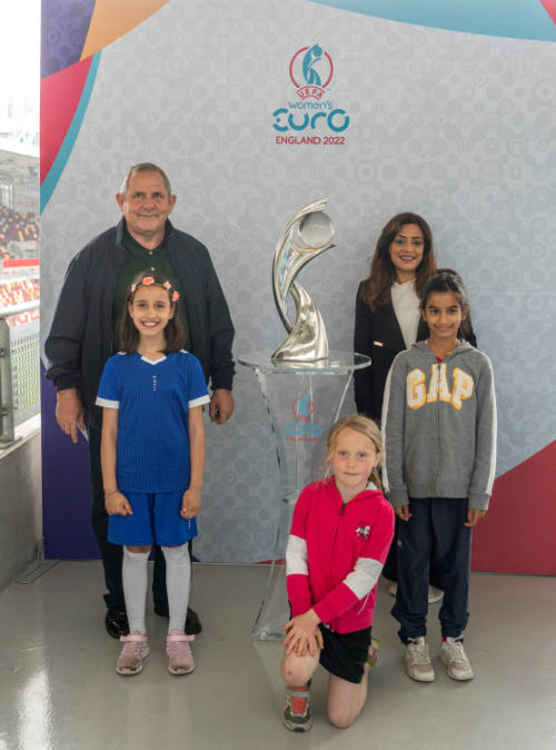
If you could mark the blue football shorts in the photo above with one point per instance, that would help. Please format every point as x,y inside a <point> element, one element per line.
<point>155,520</point>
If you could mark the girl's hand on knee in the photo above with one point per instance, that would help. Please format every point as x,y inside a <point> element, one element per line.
<point>301,647</point>
<point>402,512</point>
<point>302,628</point>
<point>191,503</point>
<point>117,505</point>
<point>290,645</point>
<point>311,646</point>
<point>474,515</point>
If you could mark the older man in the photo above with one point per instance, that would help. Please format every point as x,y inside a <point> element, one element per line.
<point>84,335</point>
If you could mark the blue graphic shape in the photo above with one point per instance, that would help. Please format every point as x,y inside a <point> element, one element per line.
<point>517,19</point>
<point>312,56</point>
<point>304,406</point>
<point>51,180</point>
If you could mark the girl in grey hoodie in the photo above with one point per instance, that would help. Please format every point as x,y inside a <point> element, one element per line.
<point>439,421</point>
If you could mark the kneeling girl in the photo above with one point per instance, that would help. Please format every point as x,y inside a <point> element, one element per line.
<point>341,530</point>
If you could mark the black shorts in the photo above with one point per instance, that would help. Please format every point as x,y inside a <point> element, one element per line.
<point>344,654</point>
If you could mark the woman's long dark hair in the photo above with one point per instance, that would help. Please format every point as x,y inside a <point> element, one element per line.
<point>447,280</point>
<point>376,292</point>
<point>174,333</point>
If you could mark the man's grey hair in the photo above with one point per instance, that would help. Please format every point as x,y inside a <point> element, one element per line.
<point>145,166</point>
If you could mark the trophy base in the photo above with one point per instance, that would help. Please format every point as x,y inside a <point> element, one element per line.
<point>280,356</point>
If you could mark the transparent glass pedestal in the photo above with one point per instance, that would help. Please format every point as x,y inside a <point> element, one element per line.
<point>303,401</point>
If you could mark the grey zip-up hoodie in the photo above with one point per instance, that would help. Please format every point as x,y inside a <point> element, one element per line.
<point>439,424</point>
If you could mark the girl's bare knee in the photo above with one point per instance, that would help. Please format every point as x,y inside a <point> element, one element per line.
<point>293,674</point>
<point>142,548</point>
<point>341,719</point>
<point>297,670</point>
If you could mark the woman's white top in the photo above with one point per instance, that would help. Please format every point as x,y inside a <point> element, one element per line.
<point>406,307</point>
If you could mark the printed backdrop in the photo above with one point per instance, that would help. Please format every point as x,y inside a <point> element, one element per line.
<point>254,108</point>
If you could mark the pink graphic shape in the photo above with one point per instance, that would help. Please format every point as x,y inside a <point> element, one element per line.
<point>60,96</point>
<point>550,7</point>
<point>517,534</point>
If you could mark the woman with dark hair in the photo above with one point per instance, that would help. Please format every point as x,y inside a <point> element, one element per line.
<point>388,319</point>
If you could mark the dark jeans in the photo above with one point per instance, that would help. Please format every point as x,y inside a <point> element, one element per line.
<point>435,536</point>
<point>112,553</point>
<point>390,569</point>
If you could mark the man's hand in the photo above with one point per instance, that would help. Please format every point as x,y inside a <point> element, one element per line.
<point>117,504</point>
<point>221,405</point>
<point>402,511</point>
<point>69,412</point>
<point>191,503</point>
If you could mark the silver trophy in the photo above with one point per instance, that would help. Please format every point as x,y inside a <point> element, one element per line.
<point>307,235</point>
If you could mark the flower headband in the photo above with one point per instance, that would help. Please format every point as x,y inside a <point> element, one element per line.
<point>149,281</point>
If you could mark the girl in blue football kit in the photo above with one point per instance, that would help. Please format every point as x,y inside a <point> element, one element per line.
<point>152,455</point>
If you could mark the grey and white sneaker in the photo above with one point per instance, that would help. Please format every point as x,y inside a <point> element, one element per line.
<point>455,659</point>
<point>418,661</point>
<point>435,595</point>
<point>296,714</point>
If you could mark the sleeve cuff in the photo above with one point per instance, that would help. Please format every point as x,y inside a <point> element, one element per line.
<point>223,378</point>
<point>63,382</point>
<point>199,401</point>
<point>479,500</point>
<point>398,497</point>
<point>107,403</point>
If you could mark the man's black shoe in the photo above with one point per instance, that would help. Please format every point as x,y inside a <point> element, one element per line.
<point>192,622</point>
<point>116,622</point>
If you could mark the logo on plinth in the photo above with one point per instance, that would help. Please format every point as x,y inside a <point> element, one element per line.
<point>303,409</point>
<point>303,429</point>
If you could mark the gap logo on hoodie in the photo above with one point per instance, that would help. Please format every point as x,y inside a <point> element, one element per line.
<point>438,388</point>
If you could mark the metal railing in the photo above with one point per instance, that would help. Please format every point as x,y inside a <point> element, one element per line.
<point>19,369</point>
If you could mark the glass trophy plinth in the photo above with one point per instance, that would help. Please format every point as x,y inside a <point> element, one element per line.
<point>303,400</point>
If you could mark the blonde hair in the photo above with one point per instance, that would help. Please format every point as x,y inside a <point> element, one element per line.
<point>364,426</point>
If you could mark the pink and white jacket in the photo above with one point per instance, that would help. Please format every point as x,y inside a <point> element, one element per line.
<point>335,554</point>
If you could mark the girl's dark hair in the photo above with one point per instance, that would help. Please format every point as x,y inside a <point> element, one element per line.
<point>376,291</point>
<point>174,333</point>
<point>448,280</point>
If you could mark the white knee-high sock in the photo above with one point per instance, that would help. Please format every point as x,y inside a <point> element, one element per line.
<point>178,581</point>
<point>134,579</point>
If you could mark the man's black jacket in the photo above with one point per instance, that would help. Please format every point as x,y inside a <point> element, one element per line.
<point>81,336</point>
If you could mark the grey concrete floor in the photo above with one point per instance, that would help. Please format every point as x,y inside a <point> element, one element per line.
<point>59,691</point>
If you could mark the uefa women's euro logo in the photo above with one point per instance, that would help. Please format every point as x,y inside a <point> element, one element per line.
<point>314,120</point>
<point>303,429</point>
<point>315,68</point>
